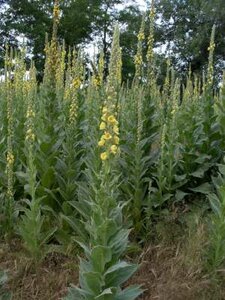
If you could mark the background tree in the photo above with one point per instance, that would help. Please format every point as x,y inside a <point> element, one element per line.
<point>184,27</point>
<point>82,22</point>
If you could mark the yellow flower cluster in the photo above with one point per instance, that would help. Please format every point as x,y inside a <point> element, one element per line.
<point>56,12</point>
<point>30,136</point>
<point>150,53</point>
<point>10,158</point>
<point>96,81</point>
<point>30,113</point>
<point>138,59</point>
<point>76,83</point>
<point>141,36</point>
<point>110,138</point>
<point>61,68</point>
<point>73,111</point>
<point>152,12</point>
<point>211,47</point>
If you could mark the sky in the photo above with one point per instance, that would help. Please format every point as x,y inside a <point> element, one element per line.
<point>142,3</point>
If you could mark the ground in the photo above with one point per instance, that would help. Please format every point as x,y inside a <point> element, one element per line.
<point>167,272</point>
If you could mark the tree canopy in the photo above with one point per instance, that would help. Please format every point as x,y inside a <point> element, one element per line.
<point>184,26</point>
<point>81,21</point>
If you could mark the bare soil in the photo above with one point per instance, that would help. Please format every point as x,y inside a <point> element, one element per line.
<point>164,274</point>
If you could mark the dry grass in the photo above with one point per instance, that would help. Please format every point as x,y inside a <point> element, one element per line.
<point>169,271</point>
<point>49,281</point>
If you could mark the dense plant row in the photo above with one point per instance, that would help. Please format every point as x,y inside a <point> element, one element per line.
<point>84,158</point>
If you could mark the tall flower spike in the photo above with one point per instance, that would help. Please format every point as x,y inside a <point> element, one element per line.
<point>98,76</point>
<point>109,125</point>
<point>30,115</point>
<point>56,17</point>
<point>68,77</point>
<point>150,52</point>
<point>210,64</point>
<point>10,156</point>
<point>109,141</point>
<point>138,60</point>
<point>20,71</point>
<point>77,78</point>
<point>51,50</point>
<point>115,66</point>
<point>101,66</point>
<point>60,72</point>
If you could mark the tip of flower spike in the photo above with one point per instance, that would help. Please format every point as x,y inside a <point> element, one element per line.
<point>114,149</point>
<point>104,156</point>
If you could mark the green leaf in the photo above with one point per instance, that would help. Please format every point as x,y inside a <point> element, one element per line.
<point>75,293</point>
<point>48,178</point>
<point>215,204</point>
<point>107,294</point>
<point>93,281</point>
<point>129,293</point>
<point>100,256</point>
<point>180,195</point>
<point>119,273</point>
<point>106,230</point>
<point>205,188</point>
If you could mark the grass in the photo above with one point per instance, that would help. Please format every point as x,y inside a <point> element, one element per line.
<point>172,267</point>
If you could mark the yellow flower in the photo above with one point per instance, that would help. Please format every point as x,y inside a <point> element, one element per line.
<point>115,129</point>
<point>141,36</point>
<point>116,140</point>
<point>107,136</point>
<point>112,119</point>
<point>30,113</point>
<point>76,83</point>
<point>104,117</point>
<point>104,110</point>
<point>104,156</point>
<point>102,126</point>
<point>114,149</point>
<point>10,158</point>
<point>211,47</point>
<point>101,143</point>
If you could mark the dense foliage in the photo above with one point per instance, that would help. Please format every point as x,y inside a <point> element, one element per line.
<point>83,159</point>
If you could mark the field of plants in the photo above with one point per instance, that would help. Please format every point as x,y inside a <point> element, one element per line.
<point>109,190</point>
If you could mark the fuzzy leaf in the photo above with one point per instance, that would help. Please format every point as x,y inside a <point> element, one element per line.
<point>119,273</point>
<point>100,256</point>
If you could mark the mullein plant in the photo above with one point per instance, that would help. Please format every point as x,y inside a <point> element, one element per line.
<point>151,41</point>
<point>89,180</point>
<point>31,224</point>
<point>137,141</point>
<point>206,148</point>
<point>60,74</point>
<point>187,137</point>
<point>134,160</point>
<point>50,125</point>
<point>209,144</point>
<point>220,107</point>
<point>216,249</point>
<point>69,162</point>
<point>193,164</point>
<point>9,204</point>
<point>3,128</point>
<point>102,272</point>
<point>138,60</point>
<point>166,175</point>
<point>210,127</point>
